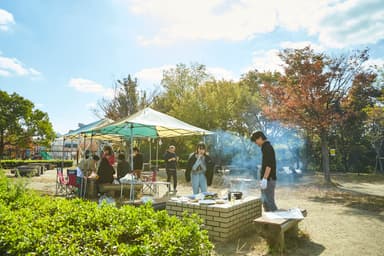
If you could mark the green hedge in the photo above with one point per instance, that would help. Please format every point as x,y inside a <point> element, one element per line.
<point>8,164</point>
<point>35,225</point>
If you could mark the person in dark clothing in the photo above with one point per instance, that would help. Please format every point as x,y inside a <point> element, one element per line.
<point>268,171</point>
<point>171,159</point>
<point>105,172</point>
<point>138,162</point>
<point>199,169</point>
<point>123,167</point>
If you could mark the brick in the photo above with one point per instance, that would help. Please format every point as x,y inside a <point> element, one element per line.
<point>220,219</point>
<point>213,233</point>
<point>225,214</point>
<point>221,230</point>
<point>220,239</point>
<point>209,213</point>
<point>209,228</point>
<point>213,223</point>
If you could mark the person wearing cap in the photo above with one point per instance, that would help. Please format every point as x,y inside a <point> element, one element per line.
<point>171,159</point>
<point>268,171</point>
<point>199,169</point>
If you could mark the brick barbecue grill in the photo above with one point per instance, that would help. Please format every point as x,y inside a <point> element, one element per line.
<point>223,221</point>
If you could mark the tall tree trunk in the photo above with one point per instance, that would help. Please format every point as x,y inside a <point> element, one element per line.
<point>325,156</point>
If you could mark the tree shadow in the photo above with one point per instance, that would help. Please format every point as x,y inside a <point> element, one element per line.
<point>254,244</point>
<point>359,203</point>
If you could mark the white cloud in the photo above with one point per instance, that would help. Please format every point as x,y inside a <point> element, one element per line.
<point>375,63</point>
<point>207,20</point>
<point>266,61</point>
<point>6,19</point>
<point>351,22</point>
<point>89,86</point>
<point>221,73</point>
<point>300,45</point>
<point>152,75</point>
<point>14,67</point>
<point>336,23</point>
<point>91,105</point>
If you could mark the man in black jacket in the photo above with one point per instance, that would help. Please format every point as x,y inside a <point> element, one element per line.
<point>171,159</point>
<point>268,171</point>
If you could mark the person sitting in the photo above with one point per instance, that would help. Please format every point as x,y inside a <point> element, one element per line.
<point>137,162</point>
<point>123,167</point>
<point>106,170</point>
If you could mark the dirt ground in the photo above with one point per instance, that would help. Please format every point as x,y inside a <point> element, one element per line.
<point>345,219</point>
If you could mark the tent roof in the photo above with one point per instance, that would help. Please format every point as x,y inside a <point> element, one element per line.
<point>151,123</point>
<point>88,128</point>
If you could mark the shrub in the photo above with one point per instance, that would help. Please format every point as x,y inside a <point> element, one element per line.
<point>35,225</point>
<point>8,164</point>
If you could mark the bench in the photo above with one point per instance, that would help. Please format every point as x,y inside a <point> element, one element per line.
<point>120,189</point>
<point>274,229</point>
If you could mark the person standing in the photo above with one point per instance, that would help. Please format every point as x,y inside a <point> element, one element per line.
<point>171,159</point>
<point>88,165</point>
<point>138,162</point>
<point>110,155</point>
<point>268,171</point>
<point>199,169</point>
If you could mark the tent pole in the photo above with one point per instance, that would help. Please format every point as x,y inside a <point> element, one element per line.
<point>157,155</point>
<point>91,144</point>
<point>132,190</point>
<point>62,156</point>
<point>150,154</point>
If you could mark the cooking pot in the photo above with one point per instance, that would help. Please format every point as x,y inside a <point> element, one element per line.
<point>236,194</point>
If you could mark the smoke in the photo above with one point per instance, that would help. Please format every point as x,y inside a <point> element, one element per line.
<point>240,159</point>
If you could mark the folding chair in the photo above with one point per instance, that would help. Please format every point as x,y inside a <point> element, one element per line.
<point>71,182</point>
<point>149,179</point>
<point>61,182</point>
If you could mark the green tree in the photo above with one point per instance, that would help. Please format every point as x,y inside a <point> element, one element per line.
<point>20,122</point>
<point>354,147</point>
<point>374,124</point>
<point>177,83</point>
<point>310,92</point>
<point>127,100</point>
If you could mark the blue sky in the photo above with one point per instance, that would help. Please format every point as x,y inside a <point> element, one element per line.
<point>65,55</point>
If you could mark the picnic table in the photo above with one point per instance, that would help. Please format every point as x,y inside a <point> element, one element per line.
<point>274,229</point>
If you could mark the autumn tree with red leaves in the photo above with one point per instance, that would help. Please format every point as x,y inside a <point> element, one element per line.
<point>310,93</point>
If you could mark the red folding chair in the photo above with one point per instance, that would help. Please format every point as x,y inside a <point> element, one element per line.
<point>71,185</point>
<point>61,182</point>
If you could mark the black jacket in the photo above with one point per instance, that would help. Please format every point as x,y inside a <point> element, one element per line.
<point>105,172</point>
<point>138,162</point>
<point>170,165</point>
<point>208,174</point>
<point>268,160</point>
<point>123,168</point>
